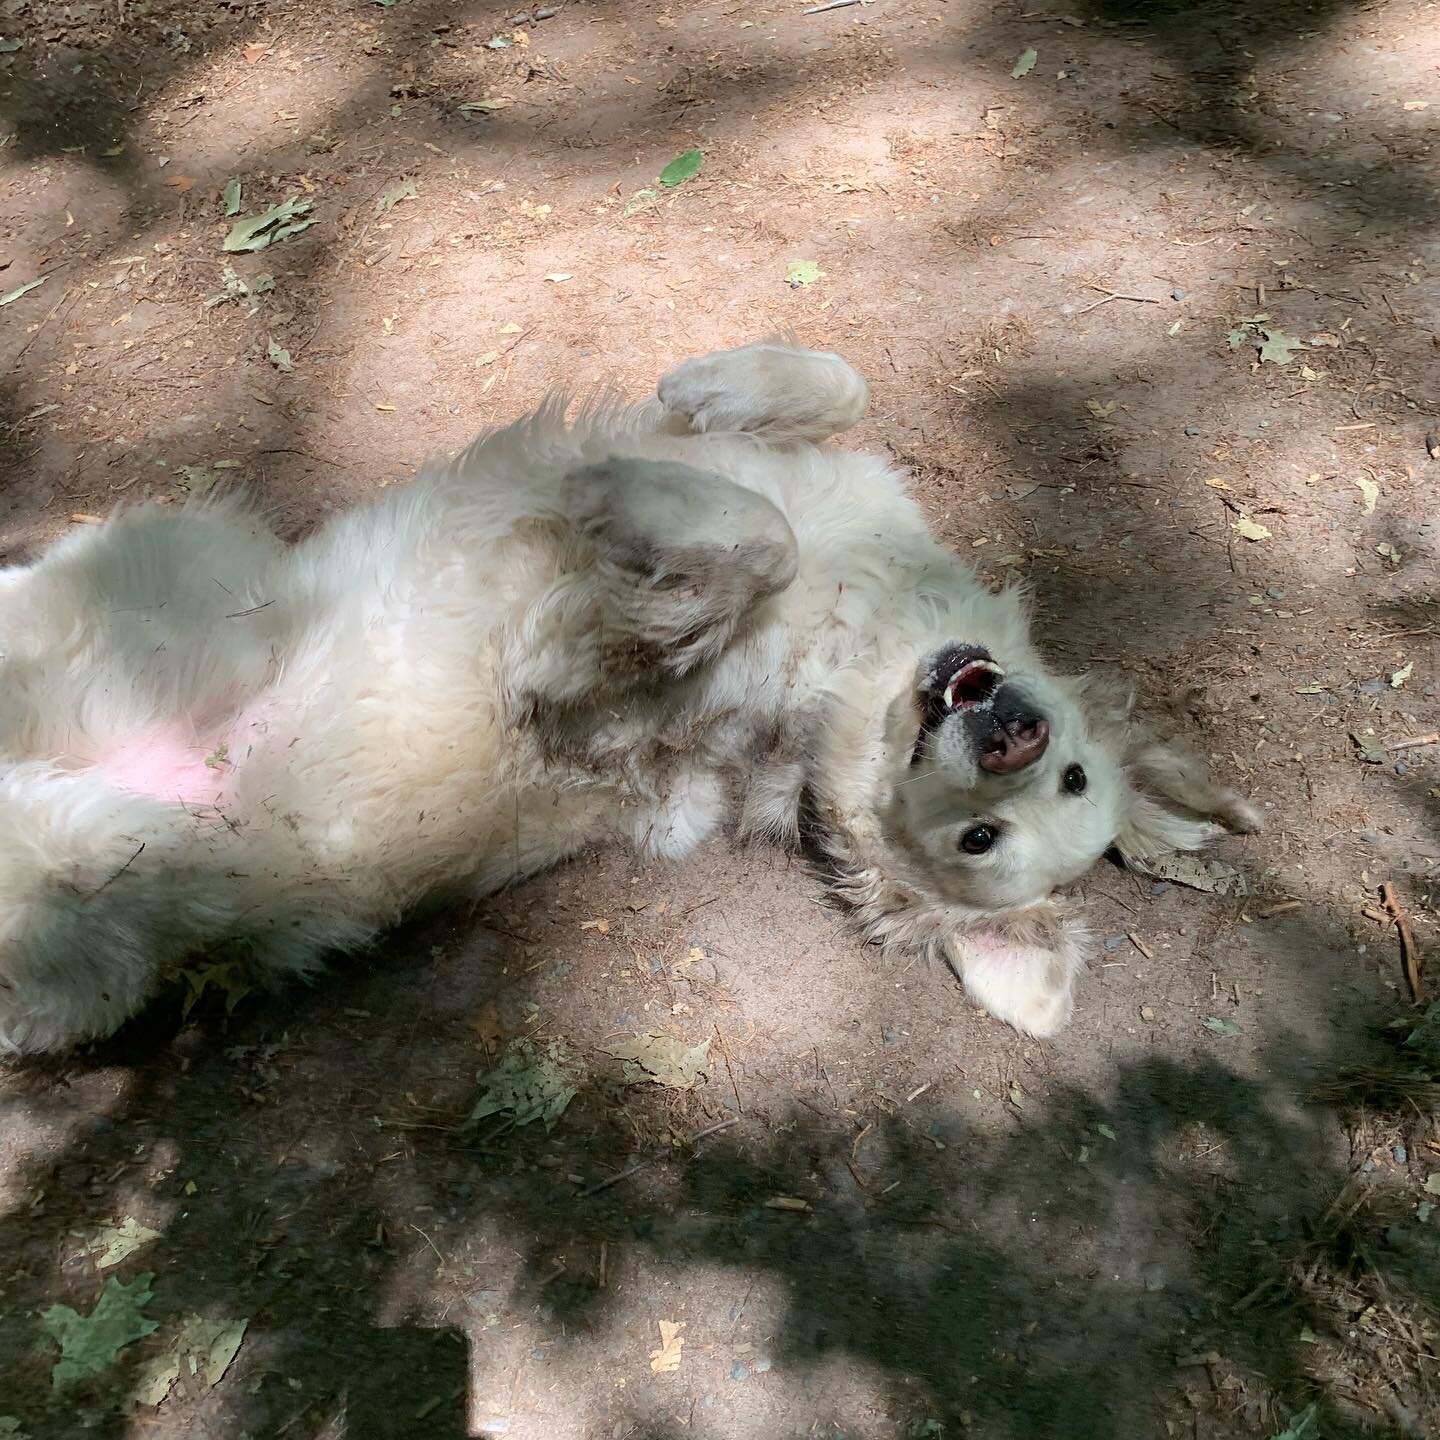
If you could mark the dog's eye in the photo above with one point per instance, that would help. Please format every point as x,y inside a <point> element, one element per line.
<point>978,839</point>
<point>1075,780</point>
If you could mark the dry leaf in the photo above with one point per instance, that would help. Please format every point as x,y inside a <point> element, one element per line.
<point>559,277</point>
<point>1249,529</point>
<point>511,329</point>
<point>1101,409</point>
<point>603,926</point>
<point>1398,679</point>
<point>255,53</point>
<point>663,1060</point>
<point>666,1360</point>
<point>1371,491</point>
<point>1216,483</point>
<point>182,183</point>
<point>1417,104</point>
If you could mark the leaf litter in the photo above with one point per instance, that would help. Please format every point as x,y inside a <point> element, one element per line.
<point>529,1083</point>
<point>802,272</point>
<point>657,1058</point>
<point>203,1350</point>
<point>1273,344</point>
<point>89,1344</point>
<point>682,168</point>
<point>666,1360</point>
<point>271,226</point>
<point>279,357</point>
<point>116,1242</point>
<point>1371,492</point>
<point>392,195</point>
<point>1249,529</point>
<point>1218,1026</point>
<point>1214,877</point>
<point>1025,64</point>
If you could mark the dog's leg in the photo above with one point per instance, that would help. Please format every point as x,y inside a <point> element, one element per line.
<point>662,566</point>
<point>1025,978</point>
<point>779,391</point>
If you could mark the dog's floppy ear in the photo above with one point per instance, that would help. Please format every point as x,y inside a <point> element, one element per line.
<point>1173,803</point>
<point>1022,967</point>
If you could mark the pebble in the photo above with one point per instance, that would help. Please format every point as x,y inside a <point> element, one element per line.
<point>739,1372</point>
<point>1192,429</point>
<point>1161,887</point>
<point>1400,1154</point>
<point>1147,1012</point>
<point>1401,767</point>
<point>761,1366</point>
<point>1177,294</point>
<point>1274,592</point>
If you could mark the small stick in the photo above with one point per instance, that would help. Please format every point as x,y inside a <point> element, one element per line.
<point>729,1070</point>
<point>1115,295</point>
<point>831,5</point>
<point>1414,742</point>
<point>639,1165</point>
<point>1284,907</point>
<point>1140,945</point>
<point>81,519</point>
<point>1410,957</point>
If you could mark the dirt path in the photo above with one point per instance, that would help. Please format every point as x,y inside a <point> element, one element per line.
<point>918,1224</point>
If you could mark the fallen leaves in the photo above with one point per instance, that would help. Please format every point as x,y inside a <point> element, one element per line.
<point>1400,676</point>
<point>682,168</point>
<point>203,1350</point>
<point>1371,493</point>
<point>180,183</point>
<point>1214,877</point>
<point>666,1360</point>
<point>662,1059</point>
<point>1025,64</point>
<point>231,196</point>
<point>1101,409</point>
<point>487,106</point>
<point>89,1344</point>
<point>116,1242</point>
<point>277,223</point>
<point>23,290</point>
<point>1273,344</point>
<point>802,272</point>
<point>392,195</point>
<point>1218,1026</point>
<point>530,1083</point>
<point>279,357</point>
<point>1249,529</point>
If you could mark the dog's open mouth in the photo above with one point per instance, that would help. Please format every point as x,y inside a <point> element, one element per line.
<point>974,683</point>
<point>961,678</point>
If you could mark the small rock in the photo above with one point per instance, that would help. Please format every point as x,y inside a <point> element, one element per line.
<point>1147,1012</point>
<point>1401,767</point>
<point>739,1372</point>
<point>761,1366</point>
<point>1274,592</point>
<point>888,1036</point>
<point>1161,887</point>
<point>1192,429</point>
<point>1177,294</point>
<point>1400,1154</point>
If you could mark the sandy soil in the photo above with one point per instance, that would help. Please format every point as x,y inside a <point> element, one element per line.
<point>1150,1226</point>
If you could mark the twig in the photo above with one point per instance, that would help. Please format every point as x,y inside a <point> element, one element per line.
<point>831,5</point>
<point>1410,957</point>
<point>651,1159</point>
<point>730,1071</point>
<point>1414,742</point>
<point>1110,295</point>
<point>1139,944</point>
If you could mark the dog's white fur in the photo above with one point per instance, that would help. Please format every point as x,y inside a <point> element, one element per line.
<point>574,634</point>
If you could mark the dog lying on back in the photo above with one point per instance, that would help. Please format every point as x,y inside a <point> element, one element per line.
<point>582,633</point>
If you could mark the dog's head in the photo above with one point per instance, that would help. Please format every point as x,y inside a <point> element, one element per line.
<point>1017,781</point>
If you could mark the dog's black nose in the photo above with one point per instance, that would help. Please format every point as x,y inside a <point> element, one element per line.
<point>1015,742</point>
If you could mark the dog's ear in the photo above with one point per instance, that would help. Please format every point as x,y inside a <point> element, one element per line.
<point>1173,803</point>
<point>1022,967</point>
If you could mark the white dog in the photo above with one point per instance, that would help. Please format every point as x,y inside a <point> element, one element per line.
<point>571,635</point>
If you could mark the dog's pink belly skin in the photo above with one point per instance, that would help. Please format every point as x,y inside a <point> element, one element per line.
<point>165,762</point>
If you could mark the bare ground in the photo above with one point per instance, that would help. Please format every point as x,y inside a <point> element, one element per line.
<point>1144,1228</point>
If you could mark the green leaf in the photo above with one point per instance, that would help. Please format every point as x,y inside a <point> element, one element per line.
<point>499,42</point>
<point>277,223</point>
<point>640,200</point>
<point>1279,348</point>
<point>203,1350</point>
<point>1106,1131</point>
<point>530,1083</point>
<point>115,1243</point>
<point>392,195</point>
<point>802,272</point>
<point>279,357</point>
<point>682,168</point>
<point>9,47</point>
<point>1025,64</point>
<point>1304,1424</point>
<point>231,196</point>
<point>1432,1184</point>
<point>89,1344</point>
<point>23,290</point>
<point>1217,1026</point>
